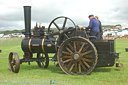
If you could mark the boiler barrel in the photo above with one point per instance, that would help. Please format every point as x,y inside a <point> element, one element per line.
<point>37,45</point>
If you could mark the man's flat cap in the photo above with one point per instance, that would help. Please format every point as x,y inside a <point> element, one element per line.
<point>90,15</point>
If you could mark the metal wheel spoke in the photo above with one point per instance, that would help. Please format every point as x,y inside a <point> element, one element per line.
<point>69,64</point>
<point>76,67</point>
<point>70,46</point>
<point>81,48</point>
<point>66,60</point>
<point>69,50</point>
<point>83,66</point>
<point>79,68</point>
<point>66,36</point>
<point>74,46</point>
<point>85,53</point>
<point>85,48</point>
<point>64,23</point>
<point>67,57</point>
<point>71,67</point>
<point>67,53</point>
<point>86,63</point>
<point>56,26</point>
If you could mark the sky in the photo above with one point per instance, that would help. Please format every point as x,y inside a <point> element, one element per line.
<point>110,12</point>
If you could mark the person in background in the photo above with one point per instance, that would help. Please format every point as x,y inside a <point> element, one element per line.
<point>94,25</point>
<point>101,32</point>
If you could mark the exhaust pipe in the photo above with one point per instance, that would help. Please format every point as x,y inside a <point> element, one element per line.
<point>27,19</point>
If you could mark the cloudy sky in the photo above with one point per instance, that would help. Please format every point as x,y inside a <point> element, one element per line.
<point>110,12</point>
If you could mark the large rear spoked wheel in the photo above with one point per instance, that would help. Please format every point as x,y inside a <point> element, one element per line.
<point>77,56</point>
<point>14,62</point>
<point>44,60</point>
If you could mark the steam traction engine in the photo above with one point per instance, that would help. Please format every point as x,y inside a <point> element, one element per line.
<point>75,53</point>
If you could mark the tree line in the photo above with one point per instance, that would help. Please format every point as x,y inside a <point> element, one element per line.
<point>11,31</point>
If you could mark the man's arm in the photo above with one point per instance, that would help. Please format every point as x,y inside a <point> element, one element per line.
<point>90,25</point>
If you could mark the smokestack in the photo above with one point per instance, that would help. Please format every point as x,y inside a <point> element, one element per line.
<point>27,19</point>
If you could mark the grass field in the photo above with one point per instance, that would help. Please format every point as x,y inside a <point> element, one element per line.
<point>33,74</point>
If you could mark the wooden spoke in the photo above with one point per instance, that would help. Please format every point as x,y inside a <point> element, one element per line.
<point>88,56</point>
<point>71,67</point>
<point>78,45</point>
<point>56,26</point>
<point>86,63</point>
<point>76,67</point>
<point>81,48</point>
<point>85,48</point>
<point>74,46</point>
<point>82,66</point>
<point>85,53</point>
<point>67,53</point>
<point>70,46</point>
<point>67,57</point>
<point>69,50</point>
<point>69,64</point>
<point>87,60</point>
<point>66,60</point>
<point>79,68</point>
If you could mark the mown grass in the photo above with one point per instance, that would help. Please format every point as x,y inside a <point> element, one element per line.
<point>32,73</point>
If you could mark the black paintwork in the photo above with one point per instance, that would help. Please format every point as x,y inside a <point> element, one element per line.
<point>27,19</point>
<point>105,48</point>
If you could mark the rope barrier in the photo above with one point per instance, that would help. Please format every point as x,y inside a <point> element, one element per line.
<point>51,83</point>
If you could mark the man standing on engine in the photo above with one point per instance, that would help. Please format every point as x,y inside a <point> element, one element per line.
<point>94,28</point>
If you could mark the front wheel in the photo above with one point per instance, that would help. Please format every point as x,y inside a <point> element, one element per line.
<point>14,62</point>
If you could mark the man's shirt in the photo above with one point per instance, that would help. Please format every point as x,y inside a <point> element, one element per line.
<point>94,25</point>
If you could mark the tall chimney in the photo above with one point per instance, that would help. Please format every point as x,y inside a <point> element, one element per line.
<point>27,19</point>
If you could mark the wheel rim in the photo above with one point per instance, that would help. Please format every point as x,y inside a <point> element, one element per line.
<point>45,60</point>
<point>14,62</point>
<point>77,56</point>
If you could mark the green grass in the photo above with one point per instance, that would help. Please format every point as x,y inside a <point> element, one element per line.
<point>32,73</point>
